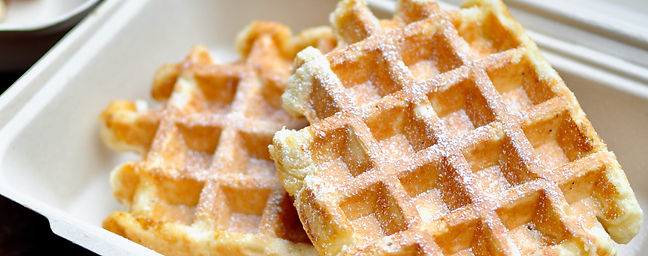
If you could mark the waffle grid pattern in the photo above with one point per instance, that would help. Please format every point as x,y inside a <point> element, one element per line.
<point>206,184</point>
<point>445,132</point>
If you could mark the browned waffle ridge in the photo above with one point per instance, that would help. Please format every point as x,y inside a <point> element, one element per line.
<point>446,133</point>
<point>205,184</point>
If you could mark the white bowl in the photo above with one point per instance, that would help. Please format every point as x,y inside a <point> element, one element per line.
<point>30,27</point>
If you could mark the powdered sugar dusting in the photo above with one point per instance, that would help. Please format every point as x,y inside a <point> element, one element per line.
<point>480,168</point>
<point>207,169</point>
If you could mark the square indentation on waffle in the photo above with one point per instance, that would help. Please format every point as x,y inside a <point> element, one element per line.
<point>519,85</point>
<point>267,101</point>
<point>497,164</point>
<point>374,211</point>
<point>365,75</point>
<point>427,57</point>
<point>584,186</point>
<point>217,85</point>
<point>178,199</point>
<point>343,152</point>
<point>325,106</point>
<point>469,236</point>
<point>255,160</point>
<point>558,140</point>
<point>534,220</point>
<point>484,32</point>
<point>590,192</point>
<point>244,206</point>
<point>200,142</point>
<point>434,189</point>
<point>462,107</point>
<point>287,220</point>
<point>399,131</point>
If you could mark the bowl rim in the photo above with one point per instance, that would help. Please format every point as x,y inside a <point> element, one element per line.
<point>56,20</point>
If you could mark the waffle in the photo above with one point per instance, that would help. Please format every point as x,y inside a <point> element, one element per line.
<point>446,133</point>
<point>205,184</point>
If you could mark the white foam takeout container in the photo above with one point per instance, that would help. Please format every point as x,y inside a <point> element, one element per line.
<point>53,161</point>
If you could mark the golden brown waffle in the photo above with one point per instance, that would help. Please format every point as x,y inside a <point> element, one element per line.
<point>446,133</point>
<point>206,184</point>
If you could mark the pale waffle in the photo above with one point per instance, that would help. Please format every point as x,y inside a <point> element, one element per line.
<point>446,133</point>
<point>206,184</point>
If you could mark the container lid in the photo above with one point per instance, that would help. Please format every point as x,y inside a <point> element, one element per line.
<point>617,28</point>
